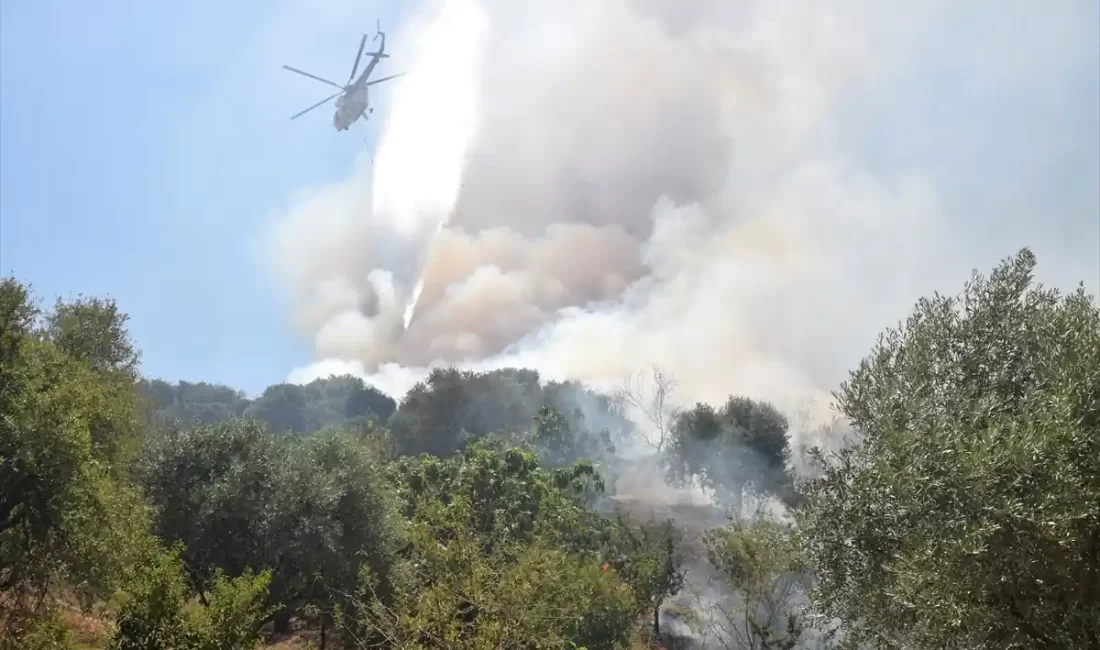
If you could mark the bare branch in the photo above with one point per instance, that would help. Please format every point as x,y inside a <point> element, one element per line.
<point>652,397</point>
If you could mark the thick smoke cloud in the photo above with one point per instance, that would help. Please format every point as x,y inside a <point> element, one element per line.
<point>590,187</point>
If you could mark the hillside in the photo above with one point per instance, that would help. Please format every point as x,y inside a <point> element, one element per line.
<point>499,510</point>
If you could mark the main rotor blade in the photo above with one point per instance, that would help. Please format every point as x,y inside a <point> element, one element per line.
<point>323,101</point>
<point>392,76</point>
<point>313,76</point>
<point>358,55</point>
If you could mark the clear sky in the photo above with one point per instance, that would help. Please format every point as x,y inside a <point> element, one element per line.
<point>143,146</point>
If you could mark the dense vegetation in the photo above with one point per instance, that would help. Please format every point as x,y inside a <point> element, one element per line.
<point>476,514</point>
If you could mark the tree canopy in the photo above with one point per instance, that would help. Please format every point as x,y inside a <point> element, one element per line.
<point>967,512</point>
<point>67,418</point>
<point>743,444</point>
<point>283,408</point>
<point>311,510</point>
<point>475,514</point>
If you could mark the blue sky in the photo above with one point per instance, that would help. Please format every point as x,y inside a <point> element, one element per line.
<point>144,145</point>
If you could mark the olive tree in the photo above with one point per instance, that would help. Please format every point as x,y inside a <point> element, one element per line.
<point>743,444</point>
<point>967,515</point>
<point>67,414</point>
<point>311,509</point>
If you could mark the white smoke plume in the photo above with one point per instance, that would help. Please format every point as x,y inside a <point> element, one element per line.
<point>587,188</point>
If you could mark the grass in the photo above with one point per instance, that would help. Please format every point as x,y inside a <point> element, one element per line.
<point>87,631</point>
<point>91,632</point>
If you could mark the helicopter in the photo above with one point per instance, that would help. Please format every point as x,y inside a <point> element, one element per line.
<point>352,100</point>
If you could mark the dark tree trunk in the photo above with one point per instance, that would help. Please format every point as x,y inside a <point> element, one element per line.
<point>282,622</point>
<point>196,584</point>
<point>657,623</point>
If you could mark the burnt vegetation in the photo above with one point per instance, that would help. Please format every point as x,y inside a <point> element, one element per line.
<point>487,510</point>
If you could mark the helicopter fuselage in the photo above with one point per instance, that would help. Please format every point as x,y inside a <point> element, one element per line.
<point>353,103</point>
<point>350,107</point>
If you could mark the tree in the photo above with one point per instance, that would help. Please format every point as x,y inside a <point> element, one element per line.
<point>189,404</point>
<point>452,594</point>
<point>286,408</point>
<point>93,331</point>
<point>741,445</point>
<point>451,408</point>
<point>761,561</point>
<point>334,516</point>
<point>283,407</point>
<point>653,402</point>
<point>966,513</point>
<point>561,442</point>
<point>434,414</point>
<point>153,612</point>
<point>506,496</point>
<point>650,559</point>
<point>497,553</point>
<point>214,489</point>
<point>310,509</point>
<point>363,400</point>
<point>66,514</point>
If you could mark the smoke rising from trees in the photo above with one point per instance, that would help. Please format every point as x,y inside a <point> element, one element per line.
<point>589,188</point>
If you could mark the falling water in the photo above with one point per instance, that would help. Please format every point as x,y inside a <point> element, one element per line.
<point>410,308</point>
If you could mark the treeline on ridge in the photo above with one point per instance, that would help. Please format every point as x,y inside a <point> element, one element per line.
<point>437,415</point>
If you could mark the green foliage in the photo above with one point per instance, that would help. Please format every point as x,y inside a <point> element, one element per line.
<point>18,314</point>
<point>741,445</point>
<point>46,633</point>
<point>451,408</point>
<point>66,417</point>
<point>966,515</point>
<point>284,408</point>
<point>497,553</point>
<point>561,442</point>
<point>333,515</point>
<point>649,558</point>
<point>311,509</point>
<point>453,594</point>
<point>151,610</point>
<point>440,415</point>
<point>503,493</point>
<point>214,489</point>
<point>93,331</point>
<point>354,398</point>
<point>154,613</point>
<point>762,561</point>
<point>191,403</point>
<point>231,619</point>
